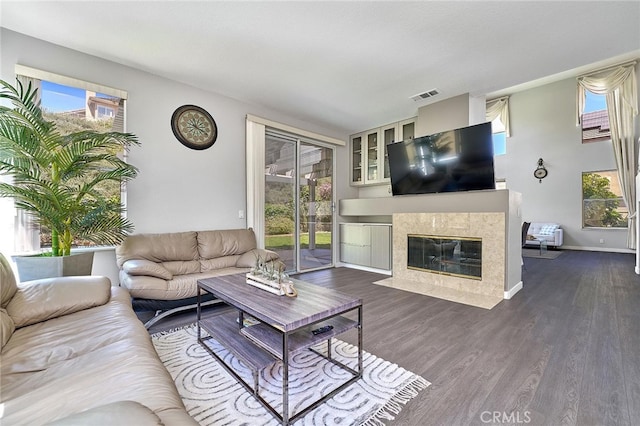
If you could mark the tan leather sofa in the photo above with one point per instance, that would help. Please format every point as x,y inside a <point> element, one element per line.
<point>161,270</point>
<point>74,353</point>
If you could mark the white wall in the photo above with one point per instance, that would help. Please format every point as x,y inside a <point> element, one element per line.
<point>445,115</point>
<point>177,188</point>
<point>543,126</point>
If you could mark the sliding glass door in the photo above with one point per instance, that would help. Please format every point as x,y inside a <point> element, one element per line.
<point>315,206</point>
<point>298,201</point>
<point>280,198</point>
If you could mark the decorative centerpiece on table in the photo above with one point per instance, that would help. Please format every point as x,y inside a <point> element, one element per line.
<point>271,276</point>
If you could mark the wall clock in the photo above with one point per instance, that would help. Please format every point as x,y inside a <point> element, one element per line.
<point>194,127</point>
<point>540,172</point>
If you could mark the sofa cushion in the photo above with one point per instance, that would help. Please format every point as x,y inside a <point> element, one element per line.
<point>547,229</point>
<point>248,260</point>
<point>182,267</point>
<point>66,365</point>
<point>39,346</point>
<point>207,265</point>
<point>7,327</point>
<point>180,287</point>
<point>44,299</point>
<point>8,286</point>
<point>158,247</point>
<point>125,370</point>
<point>212,244</point>
<point>116,413</point>
<point>146,267</point>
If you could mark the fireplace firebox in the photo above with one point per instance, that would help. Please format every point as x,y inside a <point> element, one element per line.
<point>458,256</point>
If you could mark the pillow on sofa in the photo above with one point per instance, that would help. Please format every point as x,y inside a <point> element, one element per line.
<point>548,229</point>
<point>248,259</point>
<point>146,267</point>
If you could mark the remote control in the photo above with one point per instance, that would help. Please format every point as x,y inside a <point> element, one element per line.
<point>322,329</point>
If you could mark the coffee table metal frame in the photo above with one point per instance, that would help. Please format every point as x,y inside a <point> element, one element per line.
<point>257,346</point>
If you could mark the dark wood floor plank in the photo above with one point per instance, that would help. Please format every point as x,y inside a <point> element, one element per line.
<point>513,393</point>
<point>630,346</point>
<point>565,349</point>
<point>603,398</point>
<point>565,369</point>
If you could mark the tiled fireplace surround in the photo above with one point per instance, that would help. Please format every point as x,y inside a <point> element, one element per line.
<point>485,293</point>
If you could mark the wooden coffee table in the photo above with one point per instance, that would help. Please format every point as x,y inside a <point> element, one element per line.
<point>284,327</point>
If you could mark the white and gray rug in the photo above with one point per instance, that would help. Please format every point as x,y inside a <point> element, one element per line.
<point>213,397</point>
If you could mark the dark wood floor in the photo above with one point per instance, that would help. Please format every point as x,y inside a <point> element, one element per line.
<point>564,351</point>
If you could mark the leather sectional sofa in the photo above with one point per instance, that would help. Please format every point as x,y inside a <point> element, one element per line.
<point>161,270</point>
<point>74,353</point>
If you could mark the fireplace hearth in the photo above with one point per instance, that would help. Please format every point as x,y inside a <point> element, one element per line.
<point>456,256</point>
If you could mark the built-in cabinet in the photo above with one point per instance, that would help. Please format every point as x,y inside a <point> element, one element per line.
<point>369,160</point>
<point>366,244</point>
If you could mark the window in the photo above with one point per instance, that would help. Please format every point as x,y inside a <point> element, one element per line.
<point>497,112</point>
<point>499,143</point>
<point>74,105</point>
<point>602,202</point>
<point>595,119</point>
<point>499,137</point>
<point>105,112</point>
<point>74,109</point>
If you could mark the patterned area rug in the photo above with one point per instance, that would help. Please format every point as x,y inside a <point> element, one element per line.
<point>213,397</point>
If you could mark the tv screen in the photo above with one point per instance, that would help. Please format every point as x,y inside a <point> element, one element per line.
<point>455,160</point>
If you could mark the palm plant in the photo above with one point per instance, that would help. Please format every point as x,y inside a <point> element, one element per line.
<point>57,178</point>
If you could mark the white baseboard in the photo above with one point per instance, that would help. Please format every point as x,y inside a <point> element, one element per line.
<point>366,268</point>
<point>516,288</point>
<point>604,249</point>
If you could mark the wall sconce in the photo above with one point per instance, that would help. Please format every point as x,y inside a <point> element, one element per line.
<point>540,172</point>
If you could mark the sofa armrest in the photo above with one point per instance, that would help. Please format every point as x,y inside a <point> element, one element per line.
<point>146,267</point>
<point>558,236</point>
<point>44,299</point>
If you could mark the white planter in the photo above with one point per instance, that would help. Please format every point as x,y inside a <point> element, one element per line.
<point>37,267</point>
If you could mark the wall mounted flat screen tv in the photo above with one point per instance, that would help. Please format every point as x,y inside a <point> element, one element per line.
<point>455,160</point>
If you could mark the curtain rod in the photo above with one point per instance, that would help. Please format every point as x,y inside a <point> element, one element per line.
<point>623,64</point>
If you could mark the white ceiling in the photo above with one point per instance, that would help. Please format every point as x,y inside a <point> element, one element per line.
<point>347,65</point>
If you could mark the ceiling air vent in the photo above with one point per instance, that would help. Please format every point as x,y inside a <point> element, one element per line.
<point>425,95</point>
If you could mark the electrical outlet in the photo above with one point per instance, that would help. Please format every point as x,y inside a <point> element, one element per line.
<point>601,240</point>
<point>240,214</point>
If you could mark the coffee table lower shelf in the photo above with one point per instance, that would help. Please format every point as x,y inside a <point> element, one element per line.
<point>259,346</point>
<point>224,329</point>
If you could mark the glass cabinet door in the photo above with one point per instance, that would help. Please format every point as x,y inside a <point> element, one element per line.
<point>389,137</point>
<point>407,129</point>
<point>372,156</point>
<point>356,158</point>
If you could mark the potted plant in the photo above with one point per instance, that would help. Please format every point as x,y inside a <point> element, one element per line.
<point>58,178</point>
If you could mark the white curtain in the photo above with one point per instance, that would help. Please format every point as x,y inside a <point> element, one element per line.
<point>499,108</point>
<point>620,87</point>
